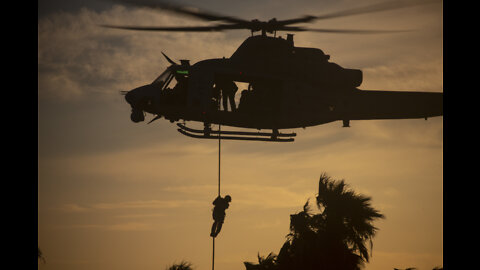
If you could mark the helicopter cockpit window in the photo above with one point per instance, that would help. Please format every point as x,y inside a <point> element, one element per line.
<point>164,79</point>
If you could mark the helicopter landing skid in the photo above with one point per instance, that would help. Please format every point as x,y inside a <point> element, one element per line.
<point>240,135</point>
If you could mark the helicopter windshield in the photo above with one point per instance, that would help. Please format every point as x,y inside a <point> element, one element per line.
<point>164,79</point>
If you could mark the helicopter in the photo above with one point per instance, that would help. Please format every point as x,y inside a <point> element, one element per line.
<point>288,87</point>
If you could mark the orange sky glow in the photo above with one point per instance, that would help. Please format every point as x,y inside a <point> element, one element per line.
<point>113,194</point>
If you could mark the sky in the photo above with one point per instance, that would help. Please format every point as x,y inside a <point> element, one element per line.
<point>113,194</point>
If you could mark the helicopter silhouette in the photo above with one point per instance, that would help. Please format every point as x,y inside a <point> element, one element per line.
<point>288,87</point>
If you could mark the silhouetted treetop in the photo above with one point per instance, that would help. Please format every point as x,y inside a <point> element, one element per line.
<point>183,265</point>
<point>346,214</point>
<point>332,238</point>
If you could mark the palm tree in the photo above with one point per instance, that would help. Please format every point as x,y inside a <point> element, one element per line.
<point>347,215</point>
<point>184,265</point>
<point>335,237</point>
<point>264,263</point>
<point>40,256</point>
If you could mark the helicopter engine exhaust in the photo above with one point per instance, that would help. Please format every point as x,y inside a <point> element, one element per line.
<point>353,77</point>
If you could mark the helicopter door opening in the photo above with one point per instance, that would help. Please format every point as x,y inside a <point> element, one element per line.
<point>226,93</point>
<point>260,95</point>
<point>242,86</point>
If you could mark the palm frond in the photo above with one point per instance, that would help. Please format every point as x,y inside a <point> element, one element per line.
<point>183,265</point>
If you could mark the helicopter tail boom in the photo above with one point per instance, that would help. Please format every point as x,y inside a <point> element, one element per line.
<point>369,104</point>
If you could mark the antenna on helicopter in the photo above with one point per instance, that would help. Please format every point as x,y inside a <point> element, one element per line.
<point>169,60</point>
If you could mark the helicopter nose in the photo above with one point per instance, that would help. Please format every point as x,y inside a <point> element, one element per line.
<point>132,98</point>
<point>135,96</point>
<point>129,97</point>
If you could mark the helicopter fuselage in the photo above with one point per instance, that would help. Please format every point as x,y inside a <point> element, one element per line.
<point>291,87</point>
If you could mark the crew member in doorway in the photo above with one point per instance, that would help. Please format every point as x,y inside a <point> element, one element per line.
<point>228,88</point>
<point>221,204</point>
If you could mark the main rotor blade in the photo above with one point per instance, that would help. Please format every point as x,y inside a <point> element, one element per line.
<point>303,19</point>
<point>352,31</point>
<point>391,5</point>
<point>213,28</point>
<point>256,25</point>
<point>185,10</point>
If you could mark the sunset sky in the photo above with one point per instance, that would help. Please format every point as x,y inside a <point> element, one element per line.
<point>113,194</point>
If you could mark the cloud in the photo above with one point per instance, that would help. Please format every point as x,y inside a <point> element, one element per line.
<point>73,208</point>
<point>60,85</point>
<point>386,259</point>
<point>151,178</point>
<point>151,161</point>
<point>122,227</point>
<point>266,196</point>
<point>244,196</point>
<point>77,57</point>
<point>129,205</point>
<point>139,216</point>
<point>268,225</point>
<point>408,74</point>
<point>131,226</point>
<point>151,204</point>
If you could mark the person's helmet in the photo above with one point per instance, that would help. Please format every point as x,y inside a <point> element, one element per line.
<point>228,198</point>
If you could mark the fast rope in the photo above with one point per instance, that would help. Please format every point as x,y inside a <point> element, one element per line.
<point>219,152</point>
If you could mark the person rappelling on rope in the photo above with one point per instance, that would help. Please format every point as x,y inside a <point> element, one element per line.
<point>221,204</point>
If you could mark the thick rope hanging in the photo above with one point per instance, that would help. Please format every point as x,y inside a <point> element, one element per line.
<point>219,152</point>
<point>213,254</point>
<point>219,145</point>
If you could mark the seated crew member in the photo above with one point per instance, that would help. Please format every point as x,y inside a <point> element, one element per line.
<point>243,100</point>
<point>221,204</point>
